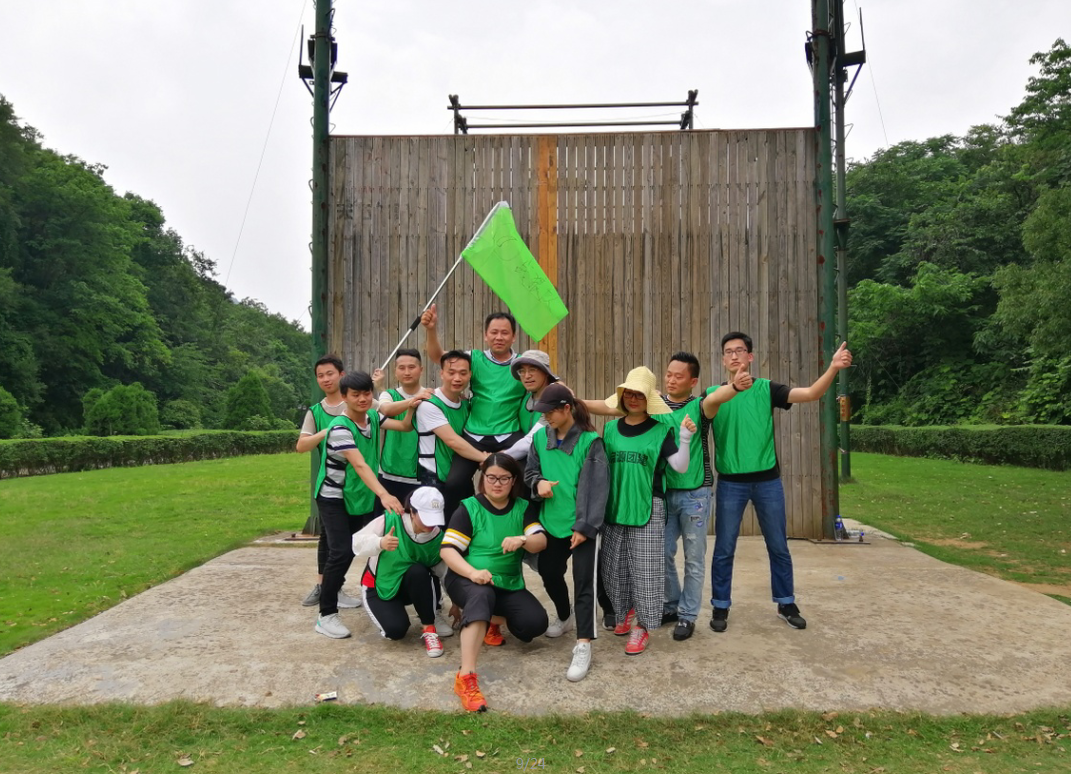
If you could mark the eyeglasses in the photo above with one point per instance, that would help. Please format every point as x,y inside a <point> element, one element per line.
<point>498,479</point>
<point>738,351</point>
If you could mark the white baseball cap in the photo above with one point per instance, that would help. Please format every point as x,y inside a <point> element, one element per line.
<point>428,504</point>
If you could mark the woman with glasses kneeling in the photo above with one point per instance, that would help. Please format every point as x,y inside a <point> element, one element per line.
<point>482,549</point>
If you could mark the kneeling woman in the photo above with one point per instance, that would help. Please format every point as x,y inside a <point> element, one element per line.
<point>404,568</point>
<point>482,549</point>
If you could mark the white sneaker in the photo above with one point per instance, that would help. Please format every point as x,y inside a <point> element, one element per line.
<point>578,670</point>
<point>346,602</point>
<point>557,628</point>
<point>442,625</point>
<point>432,645</point>
<point>332,626</point>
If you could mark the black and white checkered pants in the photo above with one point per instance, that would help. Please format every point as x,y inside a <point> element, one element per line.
<point>632,563</point>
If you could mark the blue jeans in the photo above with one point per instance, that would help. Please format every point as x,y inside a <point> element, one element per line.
<point>687,515</point>
<point>731,498</point>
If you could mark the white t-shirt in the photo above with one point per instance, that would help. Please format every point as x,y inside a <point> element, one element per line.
<point>428,417</point>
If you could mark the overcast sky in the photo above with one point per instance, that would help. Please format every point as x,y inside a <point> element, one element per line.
<point>176,97</point>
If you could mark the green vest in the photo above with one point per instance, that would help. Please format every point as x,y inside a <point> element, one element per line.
<point>633,463</point>
<point>496,398</point>
<point>485,548</point>
<point>359,499</point>
<point>322,420</point>
<point>697,467</point>
<point>393,565</point>
<point>558,513</point>
<point>456,418</point>
<point>743,432</point>
<point>525,416</point>
<point>399,457</point>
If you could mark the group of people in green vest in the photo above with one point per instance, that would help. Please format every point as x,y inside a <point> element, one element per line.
<point>550,490</point>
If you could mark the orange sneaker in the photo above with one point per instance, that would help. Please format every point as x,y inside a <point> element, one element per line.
<point>466,687</point>
<point>624,628</point>
<point>637,641</point>
<point>494,635</point>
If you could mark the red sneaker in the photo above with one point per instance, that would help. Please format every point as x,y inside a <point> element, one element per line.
<point>624,628</point>
<point>466,687</point>
<point>431,642</point>
<point>494,635</point>
<point>637,641</point>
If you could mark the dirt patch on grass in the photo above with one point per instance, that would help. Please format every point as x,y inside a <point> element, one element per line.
<point>970,545</point>
<point>1063,590</point>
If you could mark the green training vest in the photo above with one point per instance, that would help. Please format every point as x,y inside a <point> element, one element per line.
<point>496,398</point>
<point>633,463</point>
<point>359,499</point>
<point>525,416</point>
<point>485,548</point>
<point>693,479</point>
<point>743,432</point>
<point>322,420</point>
<point>456,418</point>
<point>558,514</point>
<point>393,565</point>
<point>399,457</point>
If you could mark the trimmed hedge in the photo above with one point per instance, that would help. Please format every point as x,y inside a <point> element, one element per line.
<point>67,455</point>
<point>1029,446</point>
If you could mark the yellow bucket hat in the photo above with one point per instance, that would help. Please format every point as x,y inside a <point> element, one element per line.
<point>643,380</point>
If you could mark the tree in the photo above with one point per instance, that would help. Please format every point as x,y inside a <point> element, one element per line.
<point>246,399</point>
<point>123,410</point>
<point>10,415</point>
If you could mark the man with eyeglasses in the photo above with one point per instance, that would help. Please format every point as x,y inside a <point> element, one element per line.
<point>746,461</point>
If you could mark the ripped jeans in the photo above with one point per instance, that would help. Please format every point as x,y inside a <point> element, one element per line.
<point>687,516</point>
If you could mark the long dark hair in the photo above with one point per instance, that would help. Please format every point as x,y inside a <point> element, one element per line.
<point>582,417</point>
<point>508,464</point>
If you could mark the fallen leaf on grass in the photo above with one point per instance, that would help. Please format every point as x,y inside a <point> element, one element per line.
<point>299,734</point>
<point>840,729</point>
<point>829,716</point>
<point>817,740</point>
<point>642,744</point>
<point>461,758</point>
<point>480,754</point>
<point>643,761</point>
<point>184,761</point>
<point>831,734</point>
<point>764,741</point>
<point>438,749</point>
<point>955,746</point>
<point>611,750</point>
<point>580,770</point>
<point>578,753</point>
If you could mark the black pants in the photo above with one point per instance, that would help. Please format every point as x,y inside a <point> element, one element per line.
<point>552,564</point>
<point>336,532</point>
<point>525,617</point>
<point>419,588</point>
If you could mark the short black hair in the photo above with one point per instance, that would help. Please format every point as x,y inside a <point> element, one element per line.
<point>736,335</point>
<point>500,316</point>
<point>455,354</point>
<point>408,352</point>
<point>691,360</point>
<point>357,381</point>
<point>329,360</point>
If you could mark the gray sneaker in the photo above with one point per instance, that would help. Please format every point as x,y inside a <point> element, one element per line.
<point>332,626</point>
<point>581,662</point>
<point>346,602</point>
<point>442,625</point>
<point>313,598</point>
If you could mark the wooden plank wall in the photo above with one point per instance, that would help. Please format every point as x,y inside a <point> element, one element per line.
<point>657,242</point>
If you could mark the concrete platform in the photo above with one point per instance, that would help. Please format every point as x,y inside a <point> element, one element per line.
<point>888,627</point>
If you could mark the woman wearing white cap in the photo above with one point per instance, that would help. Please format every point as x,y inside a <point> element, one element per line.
<point>638,448</point>
<point>569,477</point>
<point>403,562</point>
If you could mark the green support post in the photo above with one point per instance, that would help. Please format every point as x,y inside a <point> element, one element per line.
<point>827,280</point>
<point>321,150</point>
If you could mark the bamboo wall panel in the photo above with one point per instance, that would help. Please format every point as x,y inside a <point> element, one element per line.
<point>657,242</point>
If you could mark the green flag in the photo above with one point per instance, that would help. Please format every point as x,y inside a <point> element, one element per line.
<point>499,255</point>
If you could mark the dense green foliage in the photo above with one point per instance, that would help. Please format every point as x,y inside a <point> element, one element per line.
<point>10,414</point>
<point>960,268</point>
<point>1030,446</point>
<point>245,400</point>
<point>126,409</point>
<point>71,454</point>
<point>96,291</point>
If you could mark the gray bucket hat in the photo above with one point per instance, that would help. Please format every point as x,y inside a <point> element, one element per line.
<point>533,357</point>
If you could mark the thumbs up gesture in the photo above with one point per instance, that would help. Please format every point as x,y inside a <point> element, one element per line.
<point>742,379</point>
<point>688,425</point>
<point>430,318</point>
<point>389,542</point>
<point>545,488</point>
<point>842,358</point>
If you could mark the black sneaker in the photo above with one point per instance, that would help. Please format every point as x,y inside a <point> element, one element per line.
<point>720,621</point>
<point>683,630</point>
<point>668,618</point>
<point>609,621</point>
<point>790,614</point>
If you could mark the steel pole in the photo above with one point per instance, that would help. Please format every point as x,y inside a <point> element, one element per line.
<point>321,150</point>
<point>827,279</point>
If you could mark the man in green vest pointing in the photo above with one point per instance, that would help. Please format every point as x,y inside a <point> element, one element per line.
<point>746,461</point>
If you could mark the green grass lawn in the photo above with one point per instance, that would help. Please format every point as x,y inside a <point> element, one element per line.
<point>1014,523</point>
<point>77,543</point>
